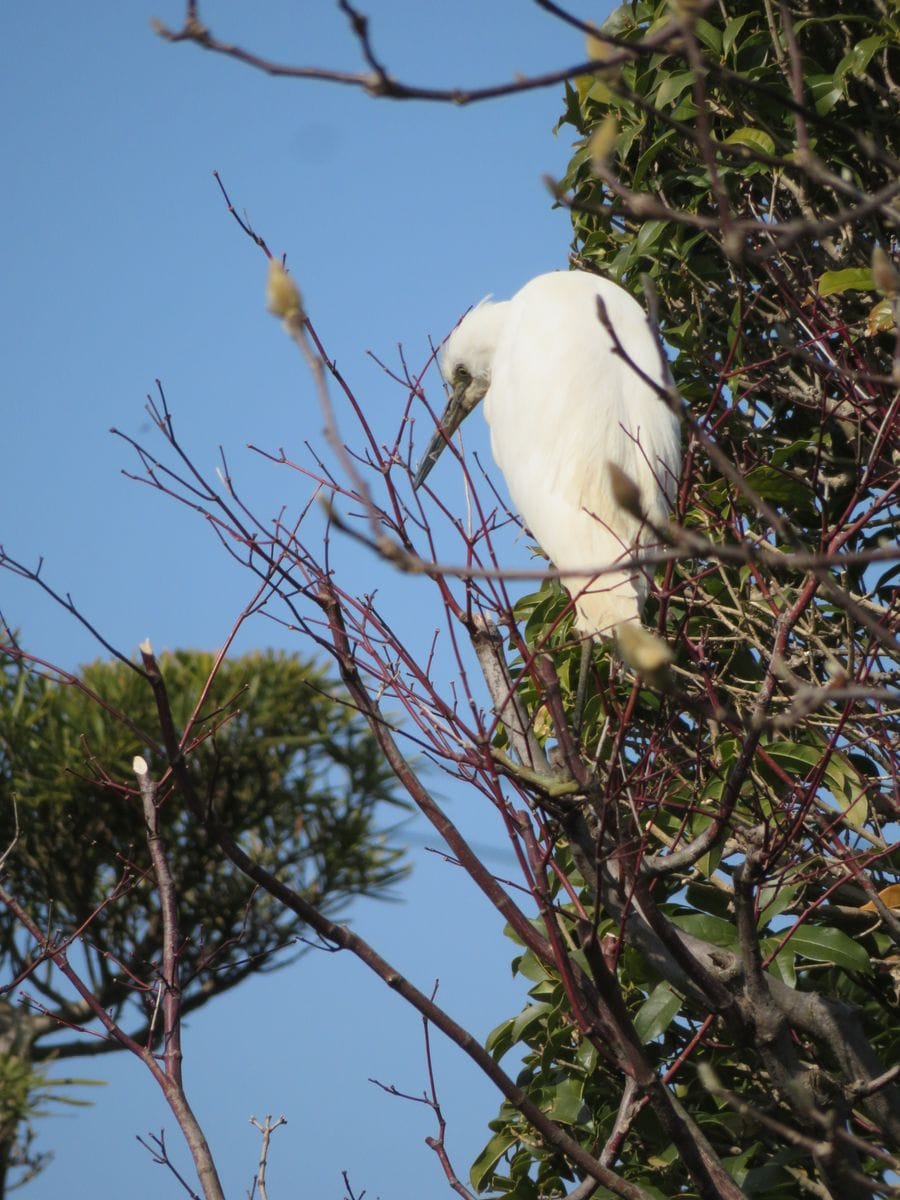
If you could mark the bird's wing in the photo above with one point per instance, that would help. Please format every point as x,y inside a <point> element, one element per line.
<point>562,404</point>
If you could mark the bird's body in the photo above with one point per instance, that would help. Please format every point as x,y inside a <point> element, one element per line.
<point>562,404</point>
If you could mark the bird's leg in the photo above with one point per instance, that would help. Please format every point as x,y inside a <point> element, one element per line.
<point>584,671</point>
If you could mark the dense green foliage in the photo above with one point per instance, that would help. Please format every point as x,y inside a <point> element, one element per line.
<point>750,204</point>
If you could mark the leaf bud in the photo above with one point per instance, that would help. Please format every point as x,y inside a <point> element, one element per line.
<point>626,492</point>
<point>282,296</point>
<point>644,652</point>
<point>603,141</point>
<point>887,280</point>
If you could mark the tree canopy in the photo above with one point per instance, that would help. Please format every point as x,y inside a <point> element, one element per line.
<point>273,750</point>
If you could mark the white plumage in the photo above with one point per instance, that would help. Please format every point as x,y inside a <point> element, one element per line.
<point>562,404</point>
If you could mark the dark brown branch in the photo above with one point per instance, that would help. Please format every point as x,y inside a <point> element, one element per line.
<point>380,83</point>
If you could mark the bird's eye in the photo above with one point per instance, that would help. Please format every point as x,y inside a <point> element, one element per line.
<point>462,374</point>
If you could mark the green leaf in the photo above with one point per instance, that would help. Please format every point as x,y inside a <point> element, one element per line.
<point>708,863</point>
<point>774,898</point>
<point>686,110</point>
<point>825,92</point>
<point>851,279</point>
<point>672,86</point>
<point>756,139</point>
<point>736,1165</point>
<point>784,454</point>
<point>840,776</point>
<point>650,233</point>
<point>626,137</point>
<point>526,1018</point>
<point>711,37</point>
<point>531,967</point>
<point>600,92</point>
<point>568,1100</point>
<point>710,928</point>
<point>649,157</point>
<point>783,964</point>
<point>830,945</point>
<point>484,1164</point>
<point>500,1038</point>
<point>732,29</point>
<point>657,1012</point>
<point>776,485</point>
<point>856,62</point>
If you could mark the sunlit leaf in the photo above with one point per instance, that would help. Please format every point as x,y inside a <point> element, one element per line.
<point>850,279</point>
<point>889,896</point>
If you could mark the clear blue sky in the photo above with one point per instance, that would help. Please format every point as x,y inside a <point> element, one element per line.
<point>120,265</point>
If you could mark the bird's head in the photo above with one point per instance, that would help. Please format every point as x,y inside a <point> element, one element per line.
<point>466,367</point>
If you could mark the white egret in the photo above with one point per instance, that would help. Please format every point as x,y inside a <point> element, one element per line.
<point>562,404</point>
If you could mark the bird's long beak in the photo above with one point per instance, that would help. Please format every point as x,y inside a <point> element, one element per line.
<point>449,423</point>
